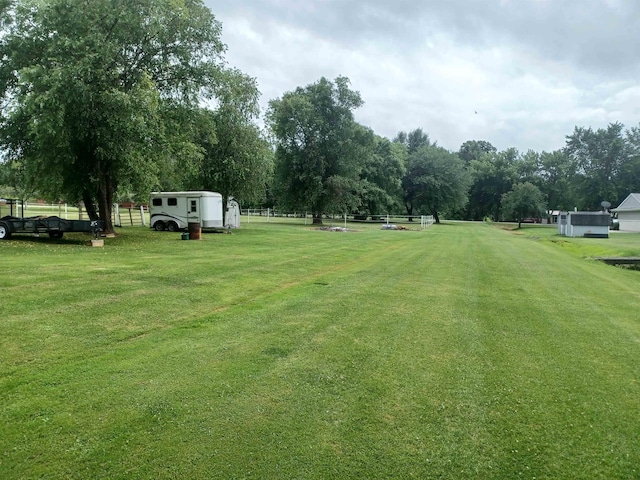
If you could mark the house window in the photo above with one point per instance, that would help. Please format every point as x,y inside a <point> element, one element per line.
<point>156,202</point>
<point>172,202</point>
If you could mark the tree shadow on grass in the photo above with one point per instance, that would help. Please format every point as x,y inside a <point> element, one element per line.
<point>24,238</point>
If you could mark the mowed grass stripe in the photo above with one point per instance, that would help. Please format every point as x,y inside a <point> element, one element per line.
<point>374,354</point>
<point>559,355</point>
<point>158,285</point>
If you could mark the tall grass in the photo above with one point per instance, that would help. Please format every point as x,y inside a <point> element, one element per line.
<point>281,351</point>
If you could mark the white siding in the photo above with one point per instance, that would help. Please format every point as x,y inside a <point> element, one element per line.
<point>629,221</point>
<point>580,230</point>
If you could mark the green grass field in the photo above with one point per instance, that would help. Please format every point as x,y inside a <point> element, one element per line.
<point>282,351</point>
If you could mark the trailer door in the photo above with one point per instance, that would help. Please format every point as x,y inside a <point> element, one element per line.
<point>193,209</point>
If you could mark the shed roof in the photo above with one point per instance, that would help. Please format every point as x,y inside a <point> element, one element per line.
<point>629,204</point>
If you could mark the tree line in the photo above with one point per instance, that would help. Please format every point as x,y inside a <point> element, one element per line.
<point>112,99</point>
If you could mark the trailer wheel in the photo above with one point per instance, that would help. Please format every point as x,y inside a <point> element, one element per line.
<point>158,226</point>
<point>56,234</point>
<point>172,226</point>
<point>4,231</point>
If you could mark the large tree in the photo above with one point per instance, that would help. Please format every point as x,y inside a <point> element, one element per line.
<point>630,170</point>
<point>237,159</point>
<point>320,148</point>
<point>525,200</point>
<point>557,171</point>
<point>435,182</point>
<point>85,84</point>
<point>600,157</point>
<point>381,178</point>
<point>492,175</point>
<point>474,150</point>
<point>238,162</point>
<point>413,140</point>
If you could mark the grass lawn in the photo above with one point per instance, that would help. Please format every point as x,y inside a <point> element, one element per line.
<point>282,351</point>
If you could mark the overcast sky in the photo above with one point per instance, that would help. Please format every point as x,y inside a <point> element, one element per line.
<point>531,69</point>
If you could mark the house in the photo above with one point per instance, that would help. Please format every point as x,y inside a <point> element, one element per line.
<point>552,216</point>
<point>584,224</point>
<point>629,213</point>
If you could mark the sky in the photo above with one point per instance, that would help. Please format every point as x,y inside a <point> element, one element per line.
<point>515,73</point>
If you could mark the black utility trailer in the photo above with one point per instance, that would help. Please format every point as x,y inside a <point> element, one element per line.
<point>54,226</point>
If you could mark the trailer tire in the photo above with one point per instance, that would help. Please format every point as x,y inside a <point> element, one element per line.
<point>5,233</point>
<point>172,226</point>
<point>158,226</point>
<point>56,234</point>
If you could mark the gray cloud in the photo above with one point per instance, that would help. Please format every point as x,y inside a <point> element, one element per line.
<point>596,34</point>
<point>531,68</point>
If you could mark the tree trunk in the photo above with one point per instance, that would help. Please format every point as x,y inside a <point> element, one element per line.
<point>409,208</point>
<point>317,219</point>
<point>89,206</point>
<point>436,217</point>
<point>105,203</point>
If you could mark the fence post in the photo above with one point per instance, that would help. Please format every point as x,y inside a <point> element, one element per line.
<point>116,215</point>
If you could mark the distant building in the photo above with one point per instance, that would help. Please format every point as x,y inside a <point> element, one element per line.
<point>629,213</point>
<point>584,224</point>
<point>552,216</point>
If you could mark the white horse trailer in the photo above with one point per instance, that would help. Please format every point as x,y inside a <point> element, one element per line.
<point>174,211</point>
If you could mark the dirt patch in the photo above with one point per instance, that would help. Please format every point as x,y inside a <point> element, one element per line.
<point>335,229</point>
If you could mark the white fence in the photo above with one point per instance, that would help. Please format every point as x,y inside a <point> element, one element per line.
<point>386,218</point>
<point>27,209</point>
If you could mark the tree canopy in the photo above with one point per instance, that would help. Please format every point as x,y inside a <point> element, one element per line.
<point>237,159</point>
<point>320,148</point>
<point>381,179</point>
<point>474,150</point>
<point>413,140</point>
<point>435,181</point>
<point>492,175</point>
<point>525,200</point>
<point>600,157</point>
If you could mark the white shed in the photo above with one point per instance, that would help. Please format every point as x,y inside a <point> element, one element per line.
<point>584,224</point>
<point>629,213</point>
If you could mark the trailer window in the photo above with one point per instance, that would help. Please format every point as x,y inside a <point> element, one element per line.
<point>193,206</point>
<point>172,202</point>
<point>156,202</point>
